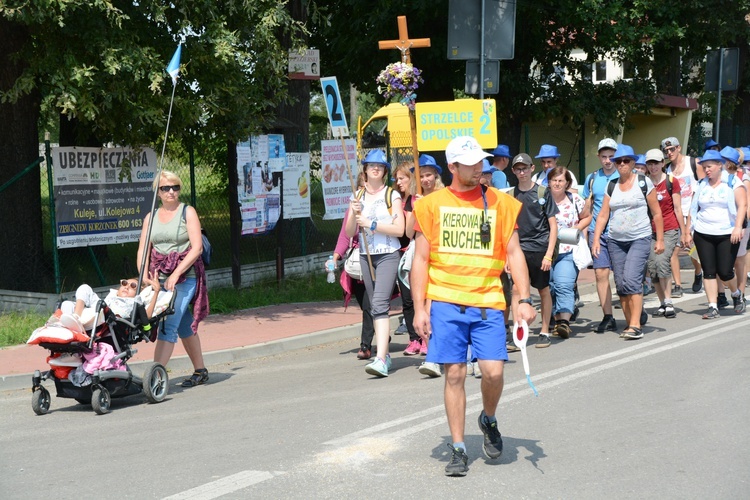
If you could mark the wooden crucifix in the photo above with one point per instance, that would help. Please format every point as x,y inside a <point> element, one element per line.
<point>404,45</point>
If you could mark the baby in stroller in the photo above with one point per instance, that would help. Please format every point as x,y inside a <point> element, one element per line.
<point>90,366</point>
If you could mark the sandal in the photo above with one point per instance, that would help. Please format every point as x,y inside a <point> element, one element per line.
<point>563,330</point>
<point>632,333</point>
<point>199,376</point>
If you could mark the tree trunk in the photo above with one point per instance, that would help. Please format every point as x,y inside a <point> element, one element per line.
<point>21,215</point>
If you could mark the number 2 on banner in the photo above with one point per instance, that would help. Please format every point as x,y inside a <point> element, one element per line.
<point>335,108</point>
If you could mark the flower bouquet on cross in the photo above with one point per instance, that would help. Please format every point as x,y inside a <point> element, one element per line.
<point>401,80</point>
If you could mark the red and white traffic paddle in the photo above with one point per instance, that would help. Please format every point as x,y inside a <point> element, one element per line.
<point>520,336</point>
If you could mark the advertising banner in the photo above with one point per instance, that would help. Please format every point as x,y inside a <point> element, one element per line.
<point>260,163</point>
<point>337,190</point>
<point>101,194</point>
<point>297,186</point>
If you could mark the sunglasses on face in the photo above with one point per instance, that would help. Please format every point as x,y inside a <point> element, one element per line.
<point>126,283</point>
<point>620,161</point>
<point>670,150</point>
<point>165,189</point>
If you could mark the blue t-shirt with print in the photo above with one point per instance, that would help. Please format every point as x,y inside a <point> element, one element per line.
<point>599,188</point>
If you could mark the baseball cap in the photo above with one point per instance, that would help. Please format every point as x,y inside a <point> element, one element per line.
<point>465,150</point>
<point>522,158</point>
<point>669,141</point>
<point>624,151</point>
<point>607,144</point>
<point>654,155</point>
<point>501,150</point>
<point>712,155</point>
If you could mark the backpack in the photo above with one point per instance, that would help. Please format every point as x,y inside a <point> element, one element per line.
<point>388,197</point>
<point>208,250</point>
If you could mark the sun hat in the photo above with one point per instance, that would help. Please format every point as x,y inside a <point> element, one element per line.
<point>548,151</point>
<point>486,167</point>
<point>428,161</point>
<point>641,160</point>
<point>730,154</point>
<point>376,156</point>
<point>465,150</point>
<point>709,144</point>
<point>607,144</point>
<point>501,150</point>
<point>624,151</point>
<point>654,155</point>
<point>712,155</point>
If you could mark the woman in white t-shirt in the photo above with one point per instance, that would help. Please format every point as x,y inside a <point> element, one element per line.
<point>626,209</point>
<point>380,223</point>
<point>564,271</point>
<point>718,229</point>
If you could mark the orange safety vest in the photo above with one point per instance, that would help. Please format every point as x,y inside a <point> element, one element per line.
<point>461,269</point>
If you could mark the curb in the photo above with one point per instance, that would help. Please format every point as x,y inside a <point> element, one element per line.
<point>179,364</point>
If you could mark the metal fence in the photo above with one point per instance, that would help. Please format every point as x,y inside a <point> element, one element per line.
<point>207,191</point>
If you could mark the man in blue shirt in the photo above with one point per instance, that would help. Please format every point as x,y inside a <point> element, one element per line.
<point>594,189</point>
<point>500,159</point>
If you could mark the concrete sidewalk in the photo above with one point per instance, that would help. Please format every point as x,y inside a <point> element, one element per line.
<point>244,335</point>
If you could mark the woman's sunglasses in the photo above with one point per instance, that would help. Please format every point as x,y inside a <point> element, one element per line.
<point>131,284</point>
<point>165,189</point>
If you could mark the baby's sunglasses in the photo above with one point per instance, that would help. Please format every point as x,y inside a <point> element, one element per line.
<point>131,284</point>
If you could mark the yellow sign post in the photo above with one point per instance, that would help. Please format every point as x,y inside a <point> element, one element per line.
<point>439,122</point>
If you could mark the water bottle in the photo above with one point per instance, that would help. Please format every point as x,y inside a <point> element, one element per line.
<point>331,278</point>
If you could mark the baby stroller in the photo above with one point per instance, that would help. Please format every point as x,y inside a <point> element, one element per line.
<point>92,368</point>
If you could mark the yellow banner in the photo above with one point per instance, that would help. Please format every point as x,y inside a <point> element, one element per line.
<point>439,122</point>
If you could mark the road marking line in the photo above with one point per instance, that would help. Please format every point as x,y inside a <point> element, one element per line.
<point>225,485</point>
<point>626,355</point>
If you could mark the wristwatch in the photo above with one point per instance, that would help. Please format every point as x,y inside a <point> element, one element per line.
<point>526,301</point>
<point>374,225</point>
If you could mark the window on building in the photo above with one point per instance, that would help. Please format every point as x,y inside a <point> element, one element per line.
<point>600,71</point>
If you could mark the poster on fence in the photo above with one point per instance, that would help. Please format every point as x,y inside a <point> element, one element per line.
<point>101,194</point>
<point>337,190</point>
<point>261,161</point>
<point>297,186</point>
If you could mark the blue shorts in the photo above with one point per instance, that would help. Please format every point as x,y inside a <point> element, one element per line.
<point>602,261</point>
<point>453,331</point>
<point>179,322</point>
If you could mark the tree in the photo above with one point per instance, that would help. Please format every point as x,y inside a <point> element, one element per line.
<point>640,33</point>
<point>102,64</point>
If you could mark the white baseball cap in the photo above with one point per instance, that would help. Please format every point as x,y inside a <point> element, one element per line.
<point>607,144</point>
<point>465,150</point>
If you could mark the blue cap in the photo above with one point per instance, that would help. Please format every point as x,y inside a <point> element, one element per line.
<point>376,156</point>
<point>501,150</point>
<point>709,144</point>
<point>624,151</point>
<point>428,161</point>
<point>548,151</point>
<point>486,167</point>
<point>730,154</point>
<point>712,155</point>
<point>641,160</point>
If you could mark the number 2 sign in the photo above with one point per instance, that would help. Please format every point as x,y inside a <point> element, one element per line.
<point>336,114</point>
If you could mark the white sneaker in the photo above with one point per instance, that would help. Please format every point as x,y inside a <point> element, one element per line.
<point>430,369</point>
<point>477,371</point>
<point>469,368</point>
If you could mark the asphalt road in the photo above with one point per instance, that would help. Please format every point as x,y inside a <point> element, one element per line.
<point>662,417</point>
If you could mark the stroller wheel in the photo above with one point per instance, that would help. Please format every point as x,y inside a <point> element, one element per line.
<point>100,400</point>
<point>40,401</point>
<point>155,383</point>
